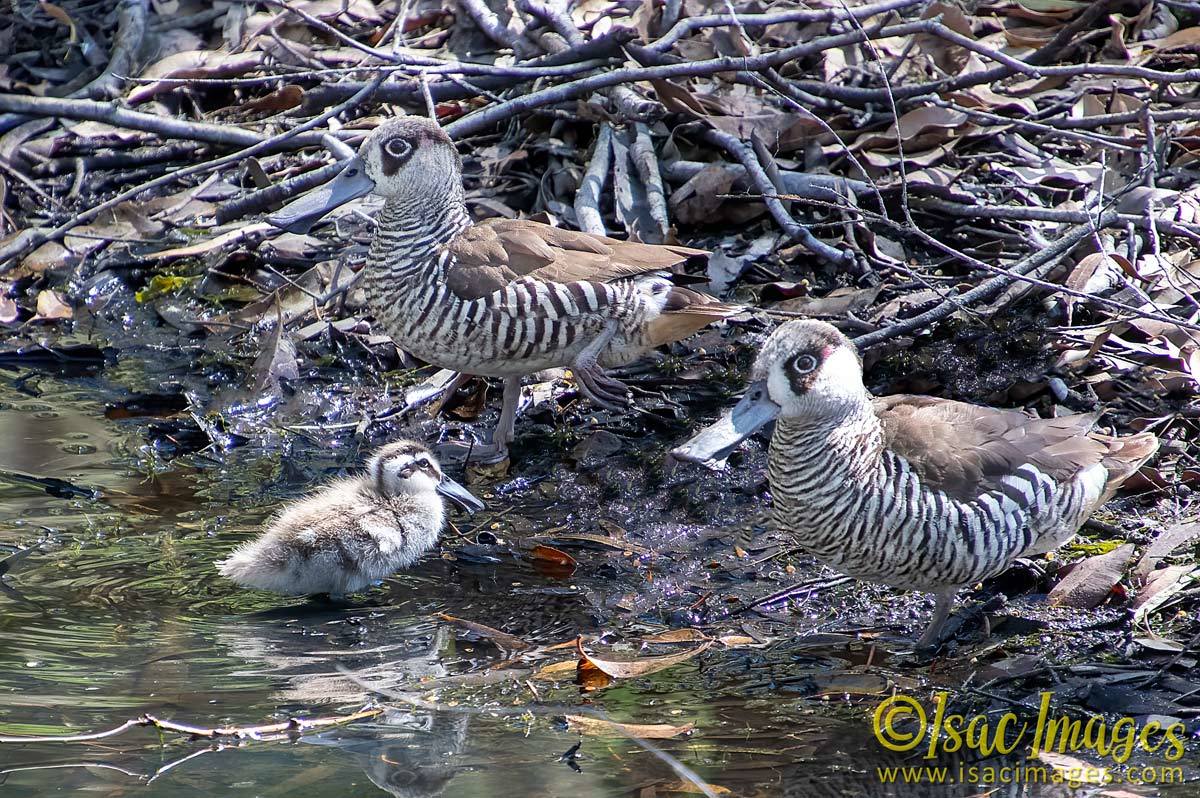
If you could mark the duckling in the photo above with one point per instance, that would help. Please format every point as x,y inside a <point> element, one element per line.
<point>916,492</point>
<point>354,531</point>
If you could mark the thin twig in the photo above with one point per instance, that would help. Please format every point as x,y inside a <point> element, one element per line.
<point>11,256</point>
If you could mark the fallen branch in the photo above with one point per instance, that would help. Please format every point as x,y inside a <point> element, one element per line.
<point>131,29</point>
<point>762,184</point>
<point>271,196</point>
<point>164,126</point>
<point>587,197</point>
<point>487,21</point>
<point>644,159</point>
<point>807,16</point>
<point>494,114</point>
<point>682,770</point>
<point>802,185</point>
<point>989,288</point>
<point>290,727</point>
<point>26,244</point>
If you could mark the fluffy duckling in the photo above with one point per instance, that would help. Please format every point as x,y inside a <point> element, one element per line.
<point>916,492</point>
<point>354,531</point>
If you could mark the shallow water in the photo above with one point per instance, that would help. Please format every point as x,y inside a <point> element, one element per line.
<point>120,613</point>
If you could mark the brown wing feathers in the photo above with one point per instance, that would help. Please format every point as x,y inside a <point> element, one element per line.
<point>964,449</point>
<point>493,253</point>
<point>686,312</point>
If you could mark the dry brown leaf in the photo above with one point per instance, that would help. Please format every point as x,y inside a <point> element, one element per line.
<point>643,666</point>
<point>838,302</point>
<point>737,641</point>
<point>1163,545</point>
<point>1090,582</point>
<point>697,200</point>
<point>502,639</point>
<point>284,99</point>
<point>194,64</point>
<point>1077,769</point>
<point>58,13</point>
<point>589,677</point>
<point>557,671</point>
<point>8,310</point>
<point>676,636</point>
<point>1157,643</point>
<point>643,731</point>
<point>919,129</point>
<point>1161,587</point>
<point>52,307</point>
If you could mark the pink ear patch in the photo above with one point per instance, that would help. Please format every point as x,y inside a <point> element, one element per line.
<point>827,351</point>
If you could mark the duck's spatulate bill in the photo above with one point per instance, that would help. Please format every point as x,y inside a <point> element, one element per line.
<point>300,215</point>
<point>715,442</point>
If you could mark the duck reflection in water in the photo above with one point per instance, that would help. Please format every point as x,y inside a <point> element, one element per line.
<point>408,754</point>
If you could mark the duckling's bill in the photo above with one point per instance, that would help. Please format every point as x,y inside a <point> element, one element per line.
<point>302,214</point>
<point>459,495</point>
<point>714,443</point>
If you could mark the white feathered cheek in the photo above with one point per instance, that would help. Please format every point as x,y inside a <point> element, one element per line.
<point>840,376</point>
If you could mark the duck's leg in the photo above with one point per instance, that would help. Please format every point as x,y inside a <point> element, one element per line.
<point>941,611</point>
<point>590,378</point>
<point>505,430</point>
<point>506,427</point>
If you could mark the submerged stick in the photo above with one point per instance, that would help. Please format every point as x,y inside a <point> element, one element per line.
<point>289,726</point>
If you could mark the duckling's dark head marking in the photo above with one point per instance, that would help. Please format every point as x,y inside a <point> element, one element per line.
<point>404,467</point>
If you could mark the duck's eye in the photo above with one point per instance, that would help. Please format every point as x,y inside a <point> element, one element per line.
<point>397,148</point>
<point>803,364</point>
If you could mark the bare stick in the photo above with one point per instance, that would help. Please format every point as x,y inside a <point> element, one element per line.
<point>491,115</point>
<point>167,127</point>
<point>807,185</point>
<point>289,726</point>
<point>762,184</point>
<point>630,104</point>
<point>9,256</point>
<point>641,152</point>
<point>486,20</point>
<point>280,192</point>
<point>587,198</point>
<point>690,24</point>
<point>985,290</point>
<point>131,29</point>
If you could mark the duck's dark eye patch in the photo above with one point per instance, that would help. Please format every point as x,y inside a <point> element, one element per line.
<point>397,148</point>
<point>802,364</point>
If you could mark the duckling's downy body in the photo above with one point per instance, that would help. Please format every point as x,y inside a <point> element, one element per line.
<point>355,531</point>
<point>916,492</point>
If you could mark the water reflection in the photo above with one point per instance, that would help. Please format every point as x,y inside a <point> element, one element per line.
<point>407,754</point>
<point>118,611</point>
